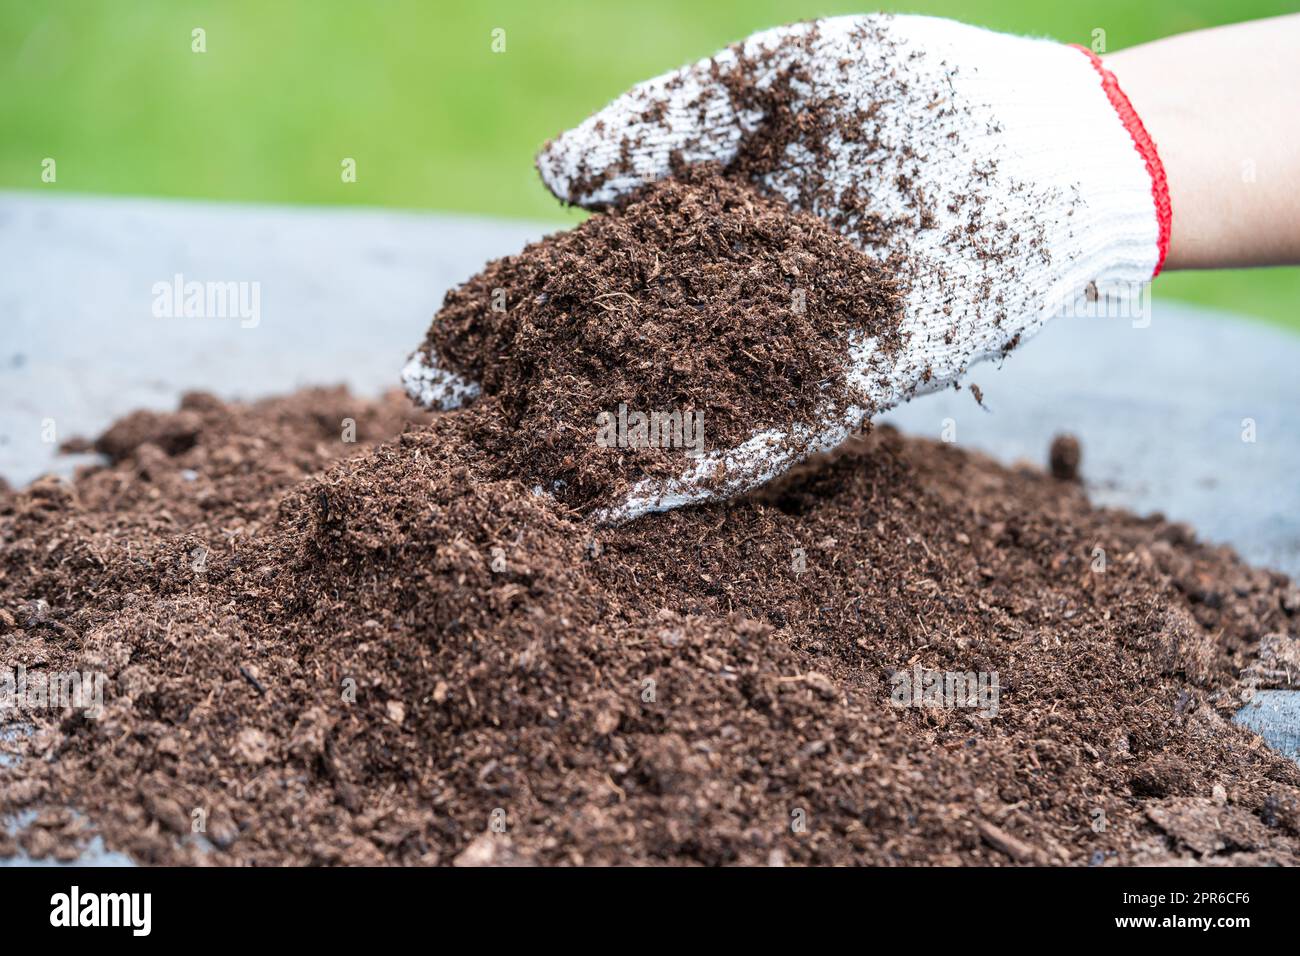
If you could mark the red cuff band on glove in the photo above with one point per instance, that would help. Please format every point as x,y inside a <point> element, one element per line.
<point>1145,146</point>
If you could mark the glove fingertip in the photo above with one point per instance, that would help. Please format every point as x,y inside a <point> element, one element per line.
<point>560,171</point>
<point>631,141</point>
<point>591,164</point>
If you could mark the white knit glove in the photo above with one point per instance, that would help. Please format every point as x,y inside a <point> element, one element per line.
<point>1008,176</point>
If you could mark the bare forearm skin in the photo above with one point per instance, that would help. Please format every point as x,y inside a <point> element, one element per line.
<point>1223,106</point>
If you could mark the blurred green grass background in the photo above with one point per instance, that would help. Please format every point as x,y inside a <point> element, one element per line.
<point>414,93</point>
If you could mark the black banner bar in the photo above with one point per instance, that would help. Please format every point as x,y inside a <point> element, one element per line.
<point>239,905</point>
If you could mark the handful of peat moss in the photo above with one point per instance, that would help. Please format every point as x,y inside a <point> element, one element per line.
<point>697,314</point>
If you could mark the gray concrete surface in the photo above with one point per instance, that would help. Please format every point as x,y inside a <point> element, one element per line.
<point>1275,716</point>
<point>346,294</point>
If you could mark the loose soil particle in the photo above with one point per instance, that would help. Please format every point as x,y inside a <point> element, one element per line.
<point>1064,456</point>
<point>388,653</point>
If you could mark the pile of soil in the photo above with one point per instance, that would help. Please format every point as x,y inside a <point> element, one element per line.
<point>683,300</point>
<point>383,652</point>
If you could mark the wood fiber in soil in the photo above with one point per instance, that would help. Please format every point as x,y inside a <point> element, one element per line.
<point>670,691</point>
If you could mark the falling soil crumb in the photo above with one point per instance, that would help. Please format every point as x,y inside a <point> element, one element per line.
<point>318,651</point>
<point>77,446</point>
<point>699,298</point>
<point>1064,457</point>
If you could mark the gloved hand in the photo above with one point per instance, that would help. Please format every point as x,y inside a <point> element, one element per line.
<point>1006,177</point>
